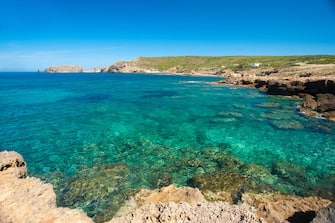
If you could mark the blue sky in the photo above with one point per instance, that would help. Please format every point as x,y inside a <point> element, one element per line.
<point>35,34</point>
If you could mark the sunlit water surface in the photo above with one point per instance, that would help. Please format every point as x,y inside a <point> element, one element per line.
<point>117,133</point>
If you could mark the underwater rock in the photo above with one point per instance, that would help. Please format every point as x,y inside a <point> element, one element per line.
<point>222,120</point>
<point>281,208</point>
<point>97,190</point>
<point>229,114</point>
<point>289,172</point>
<point>159,179</point>
<point>224,159</point>
<point>259,173</point>
<point>231,182</point>
<point>286,124</point>
<point>268,105</point>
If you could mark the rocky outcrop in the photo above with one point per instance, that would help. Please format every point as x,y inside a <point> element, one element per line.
<point>325,215</point>
<point>64,69</point>
<point>12,165</point>
<point>284,208</point>
<point>318,95</point>
<point>296,87</point>
<point>182,212</point>
<point>129,67</point>
<point>171,204</point>
<point>28,199</point>
<point>320,105</point>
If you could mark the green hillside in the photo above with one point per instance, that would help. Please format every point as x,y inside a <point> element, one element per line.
<point>188,63</point>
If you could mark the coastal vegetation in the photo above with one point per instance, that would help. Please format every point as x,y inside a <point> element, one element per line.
<point>189,63</point>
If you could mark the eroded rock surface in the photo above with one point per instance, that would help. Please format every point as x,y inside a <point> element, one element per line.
<point>325,215</point>
<point>183,212</point>
<point>281,208</point>
<point>28,199</point>
<point>12,164</point>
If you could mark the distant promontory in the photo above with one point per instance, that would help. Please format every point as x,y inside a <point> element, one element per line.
<point>71,69</point>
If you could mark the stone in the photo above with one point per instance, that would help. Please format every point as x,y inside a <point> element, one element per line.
<point>309,102</point>
<point>171,193</point>
<point>28,199</point>
<point>325,215</point>
<point>325,102</point>
<point>274,207</point>
<point>310,112</point>
<point>330,115</point>
<point>12,163</point>
<point>286,124</point>
<point>231,182</point>
<point>260,173</point>
<point>289,172</point>
<point>205,212</point>
<point>229,114</point>
<point>268,105</point>
<point>98,190</point>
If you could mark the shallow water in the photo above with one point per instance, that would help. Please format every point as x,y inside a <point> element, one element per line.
<point>153,130</point>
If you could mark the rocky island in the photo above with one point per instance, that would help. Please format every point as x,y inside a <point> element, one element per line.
<point>71,69</point>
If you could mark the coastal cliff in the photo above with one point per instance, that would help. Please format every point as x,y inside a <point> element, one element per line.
<point>314,84</point>
<point>28,199</point>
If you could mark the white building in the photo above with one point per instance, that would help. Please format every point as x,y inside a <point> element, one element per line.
<point>255,64</point>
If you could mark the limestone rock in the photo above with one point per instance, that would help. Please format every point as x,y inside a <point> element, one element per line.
<point>29,199</point>
<point>325,215</point>
<point>171,193</point>
<point>281,208</point>
<point>183,212</point>
<point>64,69</point>
<point>12,163</point>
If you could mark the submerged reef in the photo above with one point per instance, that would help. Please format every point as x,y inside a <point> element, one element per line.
<point>28,199</point>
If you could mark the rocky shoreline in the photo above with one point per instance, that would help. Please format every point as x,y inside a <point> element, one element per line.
<point>28,199</point>
<point>314,84</point>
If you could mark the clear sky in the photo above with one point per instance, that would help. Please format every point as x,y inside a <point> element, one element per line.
<point>35,34</point>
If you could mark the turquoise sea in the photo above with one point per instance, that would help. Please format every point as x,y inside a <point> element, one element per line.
<point>100,137</point>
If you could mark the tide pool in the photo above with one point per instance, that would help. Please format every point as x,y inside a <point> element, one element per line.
<point>100,137</point>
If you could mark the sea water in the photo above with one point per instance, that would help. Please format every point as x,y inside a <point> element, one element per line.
<point>116,133</point>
